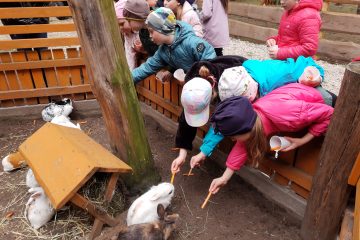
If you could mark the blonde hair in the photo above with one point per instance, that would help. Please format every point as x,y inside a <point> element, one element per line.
<point>205,73</point>
<point>256,145</point>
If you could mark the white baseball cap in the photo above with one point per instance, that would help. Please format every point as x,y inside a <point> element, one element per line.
<point>236,81</point>
<point>195,98</point>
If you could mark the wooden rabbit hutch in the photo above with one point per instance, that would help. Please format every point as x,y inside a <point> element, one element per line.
<point>33,77</point>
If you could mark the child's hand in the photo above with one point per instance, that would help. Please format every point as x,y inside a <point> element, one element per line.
<point>271,42</point>
<point>164,76</point>
<point>179,161</point>
<point>197,159</point>
<point>273,51</point>
<point>310,77</point>
<point>297,142</point>
<point>216,184</point>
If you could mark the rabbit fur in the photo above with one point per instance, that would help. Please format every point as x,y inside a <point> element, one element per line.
<point>38,210</point>
<point>13,161</point>
<point>63,107</point>
<point>64,121</point>
<point>30,180</point>
<point>144,208</point>
<point>158,230</point>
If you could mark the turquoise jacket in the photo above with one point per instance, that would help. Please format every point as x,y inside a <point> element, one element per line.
<point>186,49</point>
<point>270,74</point>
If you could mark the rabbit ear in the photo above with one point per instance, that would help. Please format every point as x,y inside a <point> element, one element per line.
<point>161,211</point>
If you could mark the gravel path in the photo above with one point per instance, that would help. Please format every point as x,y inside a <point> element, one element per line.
<point>333,72</point>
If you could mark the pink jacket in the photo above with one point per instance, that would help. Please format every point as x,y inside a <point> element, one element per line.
<point>189,16</point>
<point>299,30</point>
<point>290,108</point>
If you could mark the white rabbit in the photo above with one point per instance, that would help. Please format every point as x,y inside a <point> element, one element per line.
<point>13,161</point>
<point>30,180</point>
<point>38,208</point>
<point>63,107</point>
<point>144,208</point>
<point>64,121</point>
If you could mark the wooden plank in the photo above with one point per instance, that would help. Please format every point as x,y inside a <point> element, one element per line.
<point>42,92</point>
<point>174,97</point>
<point>308,156</point>
<point>109,192</point>
<point>37,74</point>
<point>41,64</point>
<point>50,74</point>
<point>85,73</point>
<point>37,28</point>
<point>333,49</point>
<point>33,12</point>
<point>153,89</point>
<point>75,72</point>
<point>98,213</point>
<point>281,180</point>
<point>4,86</point>
<point>355,172</point>
<point>330,190</point>
<point>38,42</point>
<point>167,96</point>
<point>160,92</point>
<point>355,2</point>
<point>62,73</point>
<point>147,86</point>
<point>356,229</point>
<point>291,173</point>
<point>11,77</point>
<point>347,225</point>
<point>24,76</point>
<point>300,190</point>
<point>331,21</point>
<point>166,104</point>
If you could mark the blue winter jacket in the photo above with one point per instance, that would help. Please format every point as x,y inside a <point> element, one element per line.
<point>186,49</point>
<point>270,74</point>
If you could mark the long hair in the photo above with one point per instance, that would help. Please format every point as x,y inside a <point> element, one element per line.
<point>205,73</point>
<point>225,4</point>
<point>256,145</point>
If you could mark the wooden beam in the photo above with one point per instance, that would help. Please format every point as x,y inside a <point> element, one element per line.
<point>330,190</point>
<point>355,173</point>
<point>340,22</point>
<point>98,213</point>
<point>356,229</point>
<point>251,31</point>
<point>346,231</point>
<point>37,28</point>
<point>42,92</point>
<point>38,42</point>
<point>32,12</point>
<point>114,88</point>
<point>42,64</point>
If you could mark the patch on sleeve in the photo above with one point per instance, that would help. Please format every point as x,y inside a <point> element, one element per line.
<point>200,47</point>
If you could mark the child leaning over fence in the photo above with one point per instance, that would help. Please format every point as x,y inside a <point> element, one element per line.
<point>179,47</point>
<point>298,31</point>
<point>290,108</point>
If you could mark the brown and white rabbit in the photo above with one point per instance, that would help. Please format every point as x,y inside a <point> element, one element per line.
<point>144,208</point>
<point>38,208</point>
<point>64,121</point>
<point>13,161</point>
<point>158,230</point>
<point>31,180</point>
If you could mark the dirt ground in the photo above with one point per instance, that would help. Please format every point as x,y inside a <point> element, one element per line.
<point>237,212</point>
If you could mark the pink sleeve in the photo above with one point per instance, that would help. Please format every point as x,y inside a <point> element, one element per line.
<point>309,30</point>
<point>207,10</point>
<point>237,157</point>
<point>319,115</point>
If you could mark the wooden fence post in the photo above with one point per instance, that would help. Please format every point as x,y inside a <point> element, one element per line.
<point>330,190</point>
<point>112,84</point>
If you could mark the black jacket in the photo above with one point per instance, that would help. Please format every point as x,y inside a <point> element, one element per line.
<point>185,133</point>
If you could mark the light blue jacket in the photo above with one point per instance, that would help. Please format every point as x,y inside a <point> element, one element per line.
<point>186,49</point>
<point>270,74</point>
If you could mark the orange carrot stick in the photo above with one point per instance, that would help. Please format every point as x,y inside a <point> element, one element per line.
<point>206,200</point>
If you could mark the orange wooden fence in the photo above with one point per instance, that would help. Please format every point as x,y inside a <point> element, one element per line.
<point>35,77</point>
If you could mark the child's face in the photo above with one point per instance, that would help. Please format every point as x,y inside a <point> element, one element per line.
<point>288,4</point>
<point>135,26</point>
<point>241,137</point>
<point>124,26</point>
<point>157,37</point>
<point>151,3</point>
<point>172,4</point>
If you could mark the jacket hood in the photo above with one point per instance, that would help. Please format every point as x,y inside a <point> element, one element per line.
<point>315,4</point>
<point>182,31</point>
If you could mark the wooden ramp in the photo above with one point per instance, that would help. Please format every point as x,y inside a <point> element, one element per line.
<point>63,159</point>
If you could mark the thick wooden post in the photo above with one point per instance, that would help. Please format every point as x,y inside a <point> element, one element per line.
<point>330,190</point>
<point>112,84</point>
